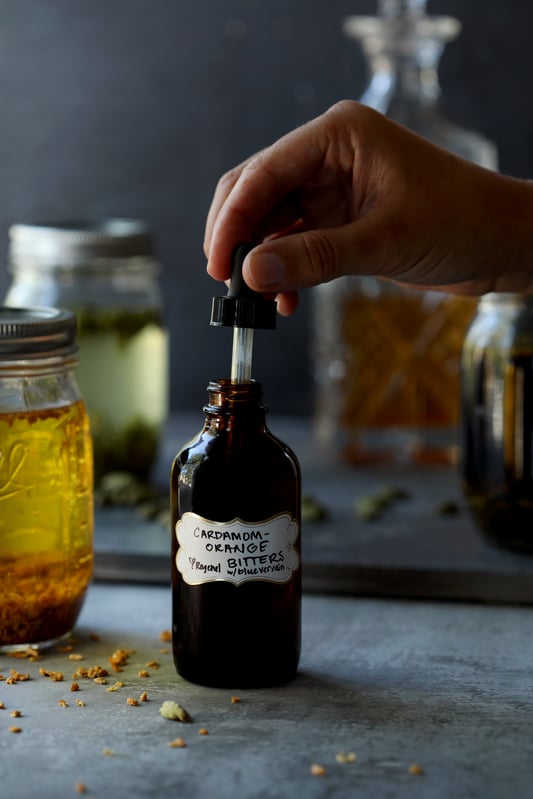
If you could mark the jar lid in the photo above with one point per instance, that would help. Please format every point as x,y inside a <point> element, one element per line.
<point>27,333</point>
<point>72,240</point>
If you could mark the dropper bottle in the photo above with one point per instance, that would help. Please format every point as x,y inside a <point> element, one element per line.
<point>236,500</point>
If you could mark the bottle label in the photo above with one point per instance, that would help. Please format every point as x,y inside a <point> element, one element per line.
<point>236,551</point>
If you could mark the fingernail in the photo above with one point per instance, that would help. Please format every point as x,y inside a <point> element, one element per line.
<point>266,270</point>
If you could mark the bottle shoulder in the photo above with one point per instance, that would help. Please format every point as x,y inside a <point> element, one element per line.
<point>225,448</point>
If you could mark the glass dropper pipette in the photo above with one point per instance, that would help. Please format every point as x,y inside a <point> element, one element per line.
<point>241,355</point>
<point>244,310</point>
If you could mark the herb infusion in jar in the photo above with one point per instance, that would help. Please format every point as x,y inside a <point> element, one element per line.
<point>46,501</point>
<point>106,272</point>
<point>236,500</point>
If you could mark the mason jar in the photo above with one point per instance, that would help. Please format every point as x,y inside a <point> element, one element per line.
<point>107,274</point>
<point>497,419</point>
<point>46,479</point>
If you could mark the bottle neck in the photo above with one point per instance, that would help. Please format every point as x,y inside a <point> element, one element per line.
<point>403,47</point>
<point>233,404</point>
<point>400,8</point>
<point>404,79</point>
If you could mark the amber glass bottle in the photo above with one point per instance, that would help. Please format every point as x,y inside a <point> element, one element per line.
<point>236,572</point>
<point>497,421</point>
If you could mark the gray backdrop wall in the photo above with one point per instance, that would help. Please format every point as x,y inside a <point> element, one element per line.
<point>136,107</point>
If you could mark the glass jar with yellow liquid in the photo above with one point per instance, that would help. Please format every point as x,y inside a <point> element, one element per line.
<point>46,479</point>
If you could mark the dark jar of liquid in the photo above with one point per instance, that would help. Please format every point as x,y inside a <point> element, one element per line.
<point>236,564</point>
<point>497,419</point>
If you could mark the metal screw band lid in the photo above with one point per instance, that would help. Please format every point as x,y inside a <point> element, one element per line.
<point>78,241</point>
<point>27,333</point>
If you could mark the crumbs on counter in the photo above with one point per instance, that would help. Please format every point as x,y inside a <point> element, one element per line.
<point>318,770</point>
<point>177,743</point>
<point>345,757</point>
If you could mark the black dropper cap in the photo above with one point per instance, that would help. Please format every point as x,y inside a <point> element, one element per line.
<point>242,307</point>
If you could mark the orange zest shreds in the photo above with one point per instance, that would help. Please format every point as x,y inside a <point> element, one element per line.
<point>317,770</point>
<point>90,673</point>
<point>115,687</point>
<point>165,636</point>
<point>55,676</point>
<point>131,701</point>
<point>41,606</point>
<point>120,657</point>
<point>177,743</point>
<point>16,676</point>
<point>15,729</point>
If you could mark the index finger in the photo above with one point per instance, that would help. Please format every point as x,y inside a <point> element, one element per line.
<point>246,195</point>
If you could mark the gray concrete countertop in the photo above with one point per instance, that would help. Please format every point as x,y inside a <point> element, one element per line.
<point>447,686</point>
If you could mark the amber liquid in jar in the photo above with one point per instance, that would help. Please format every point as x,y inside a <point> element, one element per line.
<point>45,523</point>
<point>247,634</point>
<point>498,450</point>
<point>401,374</point>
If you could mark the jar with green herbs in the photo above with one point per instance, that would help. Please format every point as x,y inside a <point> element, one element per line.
<point>107,273</point>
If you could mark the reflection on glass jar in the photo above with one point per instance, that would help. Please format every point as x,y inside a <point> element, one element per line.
<point>497,419</point>
<point>46,480</point>
<point>387,365</point>
<point>107,274</point>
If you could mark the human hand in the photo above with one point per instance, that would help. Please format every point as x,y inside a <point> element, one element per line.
<point>353,193</point>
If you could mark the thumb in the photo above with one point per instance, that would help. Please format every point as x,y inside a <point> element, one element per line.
<point>298,261</point>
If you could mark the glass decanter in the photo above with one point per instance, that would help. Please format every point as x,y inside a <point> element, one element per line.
<point>403,46</point>
<point>387,358</point>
